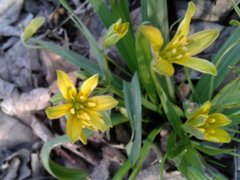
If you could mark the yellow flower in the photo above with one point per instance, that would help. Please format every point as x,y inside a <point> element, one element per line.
<point>181,48</point>
<point>81,110</point>
<point>207,126</point>
<point>115,33</point>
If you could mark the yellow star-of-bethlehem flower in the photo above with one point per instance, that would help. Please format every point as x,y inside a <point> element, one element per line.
<point>181,48</point>
<point>207,126</point>
<point>81,110</point>
<point>115,32</point>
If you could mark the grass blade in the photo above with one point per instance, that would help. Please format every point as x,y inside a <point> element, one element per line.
<point>132,99</point>
<point>60,172</point>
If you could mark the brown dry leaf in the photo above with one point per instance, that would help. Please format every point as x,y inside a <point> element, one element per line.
<point>53,62</point>
<point>13,132</point>
<point>16,165</point>
<point>17,64</point>
<point>113,155</point>
<point>26,103</point>
<point>40,129</point>
<point>101,171</point>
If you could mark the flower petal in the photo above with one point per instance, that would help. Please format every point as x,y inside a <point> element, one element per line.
<point>193,131</point>
<point>183,28</point>
<point>219,136</point>
<point>218,120</point>
<point>101,103</point>
<point>74,128</point>
<point>88,86</point>
<point>162,67</point>
<point>199,41</point>
<point>153,35</point>
<point>96,121</point>
<point>58,111</point>
<point>65,85</point>
<point>197,64</point>
<point>203,110</point>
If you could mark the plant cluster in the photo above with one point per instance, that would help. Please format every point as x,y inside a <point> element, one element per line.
<point>202,122</point>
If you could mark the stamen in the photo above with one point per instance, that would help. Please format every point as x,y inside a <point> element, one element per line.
<point>179,56</point>
<point>72,111</point>
<point>202,130</point>
<point>91,104</point>
<point>86,116</point>
<point>184,48</point>
<point>211,131</point>
<point>212,120</point>
<point>81,97</point>
<point>174,50</point>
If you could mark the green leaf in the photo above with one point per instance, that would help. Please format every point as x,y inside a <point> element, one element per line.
<point>236,8</point>
<point>54,169</point>
<point>94,46</point>
<point>32,28</point>
<point>228,97</point>
<point>56,98</point>
<point>132,99</point>
<point>144,58</point>
<point>144,152</point>
<point>126,45</point>
<point>155,11</point>
<point>122,171</point>
<point>71,56</point>
<point>228,55</point>
<point>210,150</point>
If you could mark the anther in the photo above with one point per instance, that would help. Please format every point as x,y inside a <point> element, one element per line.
<point>212,120</point>
<point>179,56</point>
<point>174,51</point>
<point>211,131</point>
<point>86,116</point>
<point>91,104</point>
<point>72,111</point>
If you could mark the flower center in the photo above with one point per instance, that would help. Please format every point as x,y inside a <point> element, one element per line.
<point>175,50</point>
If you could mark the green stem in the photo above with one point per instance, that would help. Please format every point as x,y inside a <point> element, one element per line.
<point>188,78</point>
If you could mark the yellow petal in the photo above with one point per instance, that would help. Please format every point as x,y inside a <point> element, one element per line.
<point>58,111</point>
<point>73,128</point>
<point>162,67</point>
<point>183,28</point>
<point>203,110</point>
<point>121,29</point>
<point>153,35</point>
<point>65,85</point>
<point>88,86</point>
<point>197,64</point>
<point>199,41</point>
<point>218,120</point>
<point>219,136</point>
<point>198,120</point>
<point>96,121</point>
<point>101,103</point>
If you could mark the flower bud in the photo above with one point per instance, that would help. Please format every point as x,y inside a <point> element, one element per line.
<point>115,32</point>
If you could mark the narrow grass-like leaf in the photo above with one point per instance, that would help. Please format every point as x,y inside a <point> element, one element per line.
<point>236,8</point>
<point>76,59</point>
<point>223,98</point>
<point>122,171</point>
<point>144,58</point>
<point>228,55</point>
<point>156,12</point>
<point>210,150</point>
<point>69,55</point>
<point>144,152</point>
<point>93,43</point>
<point>132,99</point>
<point>54,169</point>
<point>126,45</point>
